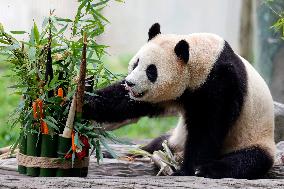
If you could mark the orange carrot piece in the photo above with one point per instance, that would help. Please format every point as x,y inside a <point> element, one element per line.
<point>40,105</point>
<point>60,92</point>
<point>35,110</point>
<point>41,126</point>
<point>44,127</point>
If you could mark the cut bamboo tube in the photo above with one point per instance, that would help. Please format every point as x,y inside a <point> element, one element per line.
<point>70,119</point>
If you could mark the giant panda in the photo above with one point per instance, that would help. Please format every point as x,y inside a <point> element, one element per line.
<point>226,126</point>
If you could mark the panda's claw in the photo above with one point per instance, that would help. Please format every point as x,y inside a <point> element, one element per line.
<point>212,170</point>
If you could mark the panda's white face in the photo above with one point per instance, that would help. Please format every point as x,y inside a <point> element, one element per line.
<point>156,74</point>
<point>169,64</point>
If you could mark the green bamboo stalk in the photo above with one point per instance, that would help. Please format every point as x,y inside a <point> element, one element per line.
<point>33,149</point>
<point>64,145</point>
<point>85,170</point>
<point>48,149</point>
<point>23,150</point>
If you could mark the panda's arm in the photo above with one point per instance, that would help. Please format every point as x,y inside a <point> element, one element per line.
<point>113,104</point>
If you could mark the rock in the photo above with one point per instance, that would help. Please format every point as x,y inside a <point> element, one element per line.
<point>7,181</point>
<point>128,173</point>
<point>279,122</point>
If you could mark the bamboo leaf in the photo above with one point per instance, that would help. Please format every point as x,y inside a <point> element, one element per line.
<point>63,19</point>
<point>51,124</point>
<point>99,154</point>
<point>51,119</point>
<point>36,33</point>
<point>18,32</point>
<point>104,143</point>
<point>32,38</point>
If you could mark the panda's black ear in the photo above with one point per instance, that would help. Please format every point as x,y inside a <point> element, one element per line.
<point>153,31</point>
<point>182,50</point>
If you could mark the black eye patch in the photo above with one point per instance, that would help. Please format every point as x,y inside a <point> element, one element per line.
<point>152,73</point>
<point>135,64</point>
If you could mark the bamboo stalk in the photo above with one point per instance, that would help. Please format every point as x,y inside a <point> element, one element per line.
<point>48,68</point>
<point>78,99</point>
<point>81,81</point>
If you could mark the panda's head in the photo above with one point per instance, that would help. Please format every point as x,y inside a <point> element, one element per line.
<point>158,72</point>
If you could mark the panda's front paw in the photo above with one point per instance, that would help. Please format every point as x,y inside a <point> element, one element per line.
<point>182,172</point>
<point>178,173</point>
<point>214,170</point>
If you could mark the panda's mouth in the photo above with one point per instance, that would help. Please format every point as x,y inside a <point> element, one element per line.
<point>137,95</point>
<point>133,93</point>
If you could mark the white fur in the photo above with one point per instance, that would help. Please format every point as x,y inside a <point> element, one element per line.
<point>178,137</point>
<point>255,125</point>
<point>173,74</point>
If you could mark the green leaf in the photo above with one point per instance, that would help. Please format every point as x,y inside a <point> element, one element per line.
<point>18,32</point>
<point>76,139</point>
<point>52,119</point>
<point>100,3</point>
<point>99,154</point>
<point>32,53</point>
<point>62,30</point>
<point>45,22</point>
<point>51,124</point>
<point>115,139</point>
<point>36,33</point>
<point>4,42</point>
<point>63,19</point>
<point>32,38</point>
<point>12,47</point>
<point>91,94</point>
<point>104,143</point>
<point>1,28</point>
<point>78,16</point>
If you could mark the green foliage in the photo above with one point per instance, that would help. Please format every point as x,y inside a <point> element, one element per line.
<point>8,101</point>
<point>50,60</point>
<point>27,59</point>
<point>278,10</point>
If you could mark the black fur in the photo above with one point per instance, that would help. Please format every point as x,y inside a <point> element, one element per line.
<point>182,50</point>
<point>152,73</point>
<point>113,104</point>
<point>209,111</point>
<point>212,109</point>
<point>155,144</point>
<point>250,163</point>
<point>154,31</point>
<point>135,64</point>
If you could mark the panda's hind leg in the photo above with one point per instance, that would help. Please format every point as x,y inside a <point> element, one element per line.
<point>249,163</point>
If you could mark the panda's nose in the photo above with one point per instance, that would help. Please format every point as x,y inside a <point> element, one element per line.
<point>129,84</point>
